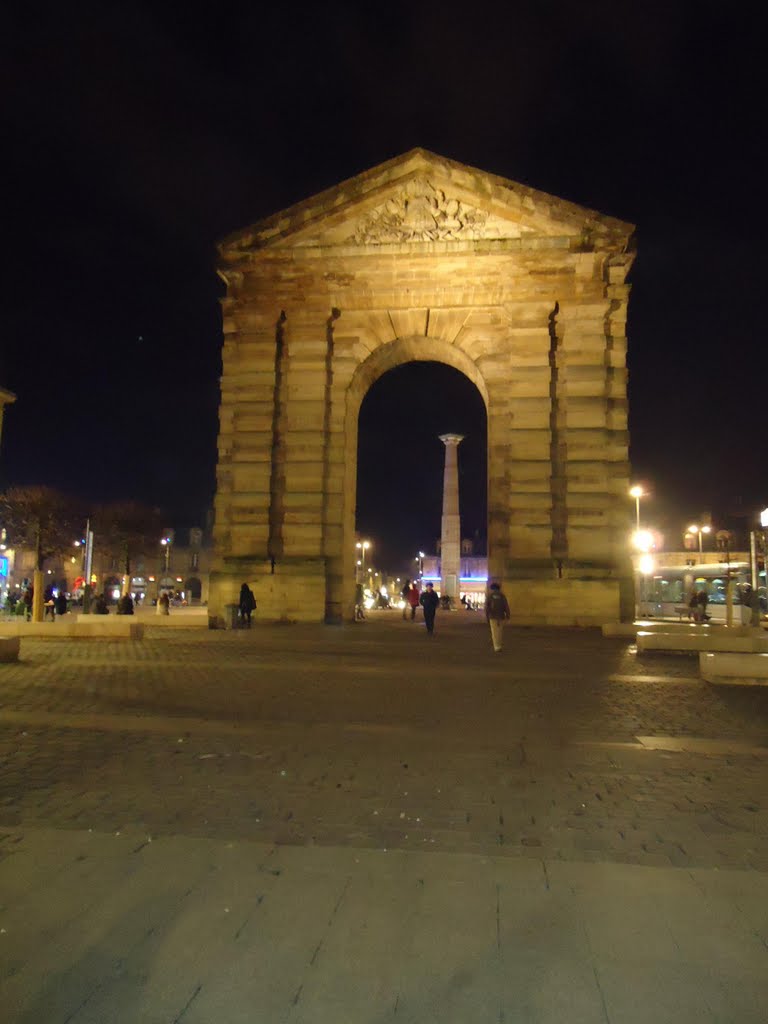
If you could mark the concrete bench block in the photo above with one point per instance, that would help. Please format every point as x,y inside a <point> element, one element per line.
<point>117,628</point>
<point>738,669</point>
<point>9,648</point>
<point>736,640</point>
<point>623,629</point>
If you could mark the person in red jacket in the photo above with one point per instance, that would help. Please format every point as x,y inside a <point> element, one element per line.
<point>413,600</point>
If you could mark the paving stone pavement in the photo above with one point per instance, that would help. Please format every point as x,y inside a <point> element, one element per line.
<point>568,822</point>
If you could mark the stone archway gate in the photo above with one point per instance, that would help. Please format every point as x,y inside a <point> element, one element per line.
<point>422,258</point>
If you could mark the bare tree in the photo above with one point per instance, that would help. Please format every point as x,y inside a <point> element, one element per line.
<point>125,530</point>
<point>44,519</point>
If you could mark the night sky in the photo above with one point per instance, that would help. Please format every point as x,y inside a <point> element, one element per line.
<point>134,139</point>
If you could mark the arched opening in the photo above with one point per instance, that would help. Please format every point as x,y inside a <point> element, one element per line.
<point>400,465</point>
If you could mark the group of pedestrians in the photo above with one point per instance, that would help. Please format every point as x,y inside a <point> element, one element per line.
<point>496,608</point>
<point>54,603</point>
<point>427,599</point>
<point>750,606</point>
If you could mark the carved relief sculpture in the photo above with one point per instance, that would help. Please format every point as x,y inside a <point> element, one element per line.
<point>421,213</point>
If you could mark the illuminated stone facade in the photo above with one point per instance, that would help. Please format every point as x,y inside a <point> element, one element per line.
<point>422,258</point>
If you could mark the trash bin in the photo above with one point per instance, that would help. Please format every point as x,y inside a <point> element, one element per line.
<point>233,616</point>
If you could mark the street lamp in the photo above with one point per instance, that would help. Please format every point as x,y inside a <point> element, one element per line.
<point>362,546</point>
<point>166,542</point>
<point>637,493</point>
<point>700,531</point>
<point>420,560</point>
<point>642,542</point>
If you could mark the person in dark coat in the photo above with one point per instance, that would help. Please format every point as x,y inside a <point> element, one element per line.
<point>429,602</point>
<point>359,602</point>
<point>60,603</point>
<point>247,604</point>
<point>496,612</point>
<point>405,593</point>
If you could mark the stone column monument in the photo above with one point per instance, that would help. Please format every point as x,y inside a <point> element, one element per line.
<point>450,533</point>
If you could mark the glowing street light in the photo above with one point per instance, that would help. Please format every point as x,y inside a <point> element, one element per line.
<point>362,546</point>
<point>646,565</point>
<point>166,542</point>
<point>637,493</point>
<point>642,540</point>
<point>700,531</point>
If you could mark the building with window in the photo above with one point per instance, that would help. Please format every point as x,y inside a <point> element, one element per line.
<point>473,572</point>
<point>180,567</point>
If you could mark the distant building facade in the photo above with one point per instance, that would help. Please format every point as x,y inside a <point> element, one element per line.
<point>472,576</point>
<point>181,567</point>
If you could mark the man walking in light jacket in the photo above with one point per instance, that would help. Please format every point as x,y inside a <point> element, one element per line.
<point>496,611</point>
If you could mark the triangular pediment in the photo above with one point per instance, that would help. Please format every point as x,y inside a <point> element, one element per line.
<point>423,198</point>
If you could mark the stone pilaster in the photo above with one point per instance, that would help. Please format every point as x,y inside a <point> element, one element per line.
<point>591,429</point>
<point>526,397</point>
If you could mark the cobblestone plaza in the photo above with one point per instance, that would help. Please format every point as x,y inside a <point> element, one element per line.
<point>360,823</point>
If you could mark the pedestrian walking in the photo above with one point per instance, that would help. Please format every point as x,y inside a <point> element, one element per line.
<point>359,602</point>
<point>429,602</point>
<point>414,599</point>
<point>750,606</point>
<point>164,604</point>
<point>496,611</point>
<point>405,593</point>
<point>27,600</point>
<point>247,604</point>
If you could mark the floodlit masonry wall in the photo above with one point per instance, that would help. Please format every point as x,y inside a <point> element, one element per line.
<point>537,324</point>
